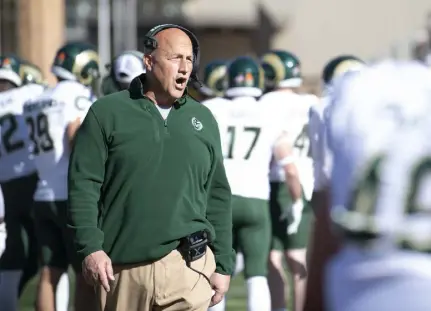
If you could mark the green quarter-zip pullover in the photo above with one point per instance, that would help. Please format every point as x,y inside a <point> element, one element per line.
<point>139,183</point>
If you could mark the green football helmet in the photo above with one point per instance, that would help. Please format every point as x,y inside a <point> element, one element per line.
<point>214,77</point>
<point>77,61</point>
<point>30,73</point>
<point>10,69</point>
<point>282,69</point>
<point>244,77</point>
<point>339,65</point>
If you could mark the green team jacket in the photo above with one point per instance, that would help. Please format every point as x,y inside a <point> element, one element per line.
<point>139,183</point>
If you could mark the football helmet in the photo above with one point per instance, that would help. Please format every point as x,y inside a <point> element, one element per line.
<point>339,66</point>
<point>244,77</point>
<point>10,69</point>
<point>77,61</point>
<point>282,69</point>
<point>30,73</point>
<point>213,81</point>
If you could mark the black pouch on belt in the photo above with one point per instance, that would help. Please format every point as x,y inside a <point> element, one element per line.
<point>194,246</point>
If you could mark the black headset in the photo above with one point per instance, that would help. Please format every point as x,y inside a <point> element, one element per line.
<point>150,44</point>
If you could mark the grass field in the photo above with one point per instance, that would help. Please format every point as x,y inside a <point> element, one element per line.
<point>236,299</point>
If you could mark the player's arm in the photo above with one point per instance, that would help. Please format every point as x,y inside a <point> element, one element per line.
<point>76,112</point>
<point>283,153</point>
<point>72,127</point>
<point>85,178</point>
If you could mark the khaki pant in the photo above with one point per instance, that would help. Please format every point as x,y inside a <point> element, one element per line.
<point>167,284</point>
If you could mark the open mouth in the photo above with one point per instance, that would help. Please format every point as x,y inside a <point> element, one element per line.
<point>181,82</point>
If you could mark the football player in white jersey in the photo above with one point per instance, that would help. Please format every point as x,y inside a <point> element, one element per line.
<point>251,133</point>
<point>54,118</point>
<point>319,251</point>
<point>379,129</point>
<point>2,225</point>
<point>290,228</point>
<point>32,74</point>
<point>122,70</point>
<point>322,162</point>
<point>18,180</point>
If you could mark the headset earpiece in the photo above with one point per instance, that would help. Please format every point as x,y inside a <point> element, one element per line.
<point>150,44</point>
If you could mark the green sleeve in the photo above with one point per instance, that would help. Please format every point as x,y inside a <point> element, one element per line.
<point>219,214</point>
<point>86,174</point>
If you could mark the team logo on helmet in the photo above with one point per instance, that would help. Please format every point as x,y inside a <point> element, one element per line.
<point>248,80</point>
<point>6,63</point>
<point>61,57</point>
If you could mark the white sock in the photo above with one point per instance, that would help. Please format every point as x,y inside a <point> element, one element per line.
<point>62,293</point>
<point>258,296</point>
<point>221,306</point>
<point>9,283</point>
<point>239,264</point>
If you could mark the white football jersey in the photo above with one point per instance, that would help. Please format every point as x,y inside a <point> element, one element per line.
<point>49,116</point>
<point>2,225</point>
<point>1,204</point>
<point>15,146</point>
<point>379,129</point>
<point>297,116</point>
<point>248,131</point>
<point>319,149</point>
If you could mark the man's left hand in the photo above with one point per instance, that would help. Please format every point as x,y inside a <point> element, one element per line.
<point>220,285</point>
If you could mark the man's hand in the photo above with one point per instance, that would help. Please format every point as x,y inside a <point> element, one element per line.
<point>97,269</point>
<point>294,215</point>
<point>220,285</point>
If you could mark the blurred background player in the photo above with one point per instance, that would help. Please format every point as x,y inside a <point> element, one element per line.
<point>322,164</point>
<point>31,73</point>
<point>338,66</point>
<point>54,118</point>
<point>2,225</point>
<point>379,129</point>
<point>290,218</point>
<point>213,84</point>
<point>319,251</point>
<point>18,179</point>
<point>251,133</point>
<point>122,70</point>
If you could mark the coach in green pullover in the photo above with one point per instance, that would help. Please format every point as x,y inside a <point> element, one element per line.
<point>146,171</point>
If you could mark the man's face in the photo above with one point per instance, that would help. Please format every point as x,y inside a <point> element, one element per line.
<point>172,62</point>
<point>6,85</point>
